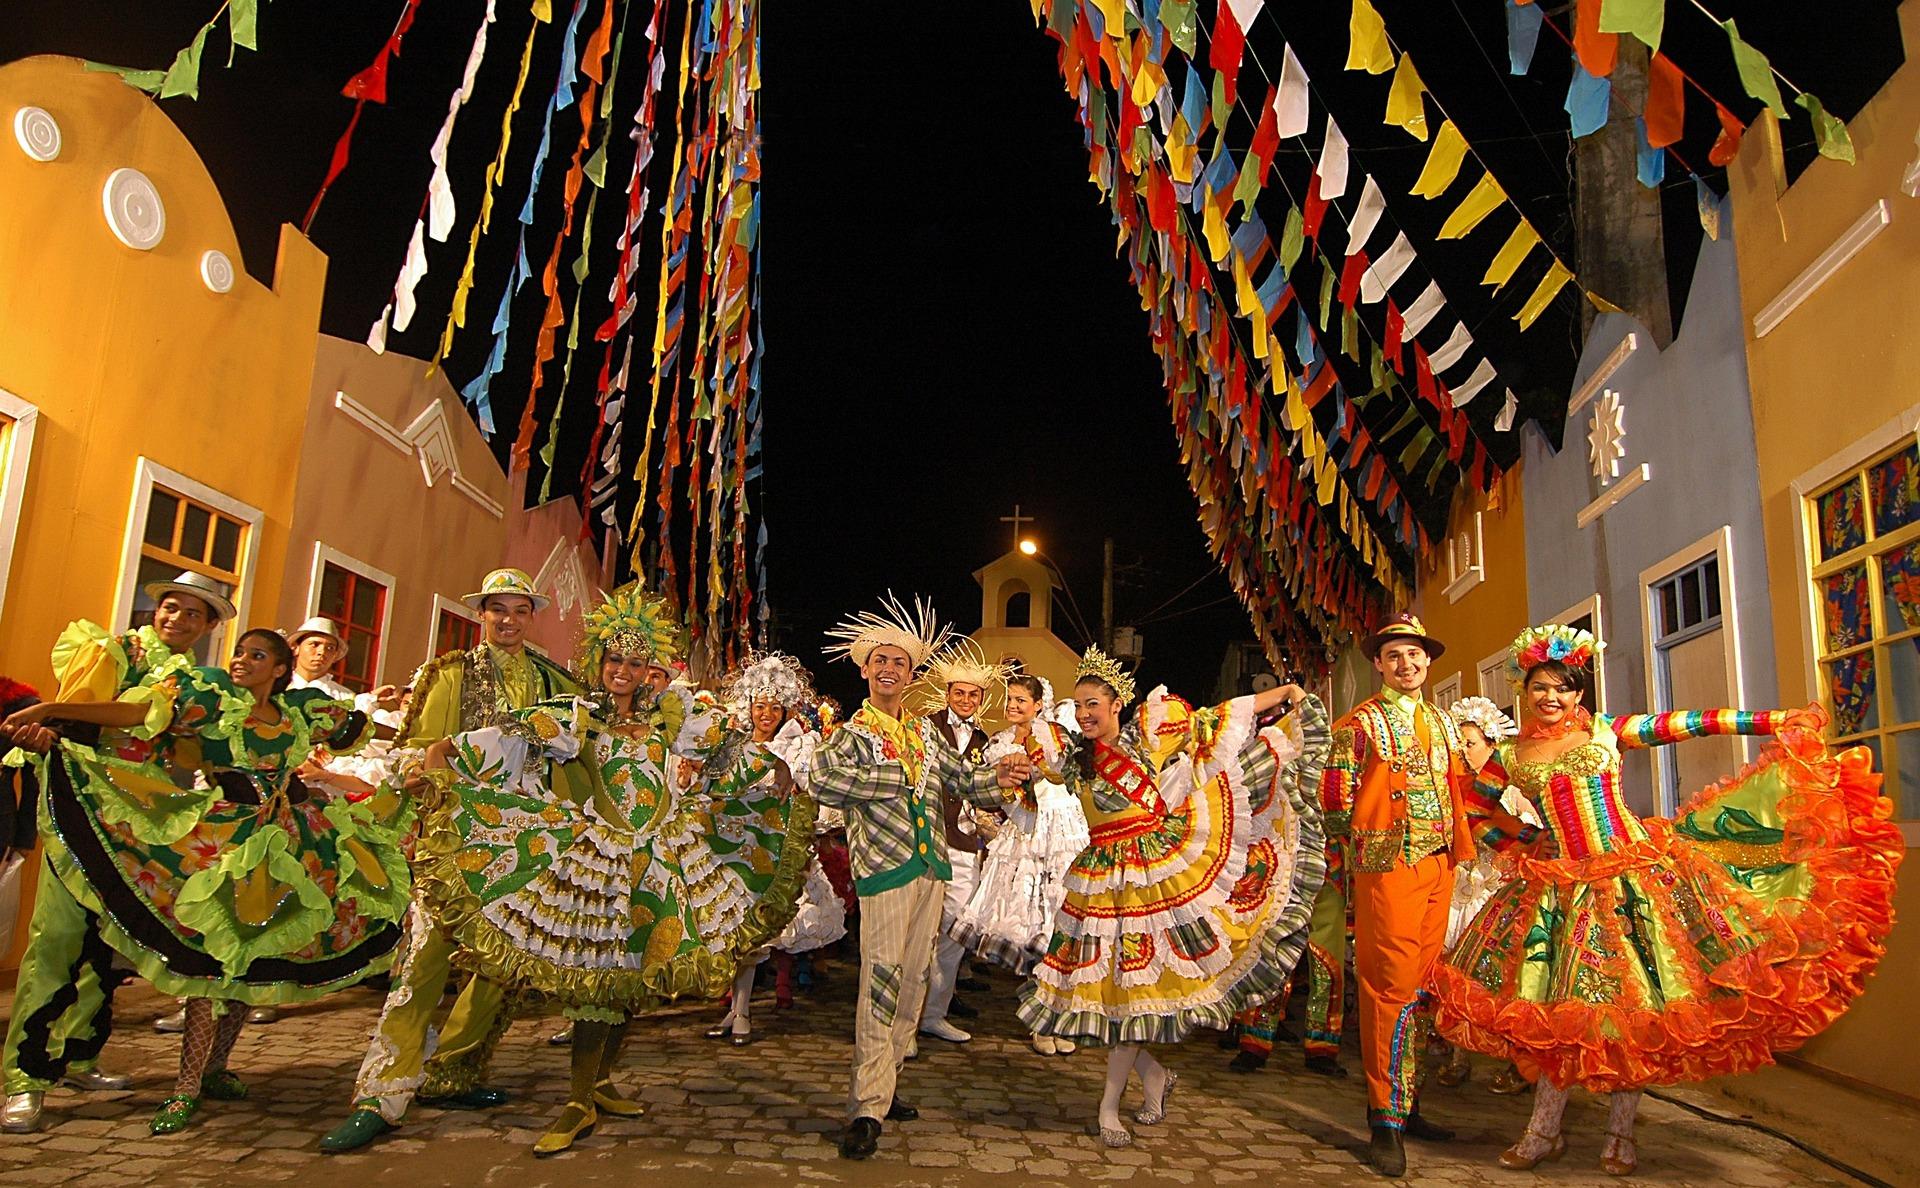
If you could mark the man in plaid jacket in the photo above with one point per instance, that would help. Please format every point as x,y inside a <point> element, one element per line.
<point>890,774</point>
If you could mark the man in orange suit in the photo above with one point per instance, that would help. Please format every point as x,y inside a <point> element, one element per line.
<point>1394,794</point>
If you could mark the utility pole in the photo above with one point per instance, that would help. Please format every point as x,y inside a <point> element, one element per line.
<point>1106,598</point>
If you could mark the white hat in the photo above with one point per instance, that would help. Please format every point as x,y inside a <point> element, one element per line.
<point>200,586</point>
<point>506,581</point>
<point>318,625</point>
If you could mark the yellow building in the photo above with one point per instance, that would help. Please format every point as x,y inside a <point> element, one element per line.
<point>1472,593</point>
<point>1016,619</point>
<point>1829,280</point>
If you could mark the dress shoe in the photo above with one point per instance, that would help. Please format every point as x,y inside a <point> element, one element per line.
<point>1155,1113</point>
<point>174,1114</point>
<point>1065,1047</point>
<point>1247,1062</point>
<point>1513,1159</point>
<point>221,1084</point>
<point>477,1098</point>
<point>1418,1127</point>
<point>722,1029</point>
<point>172,1024</point>
<point>900,1111</point>
<point>860,1139</point>
<point>263,1014</point>
<point>93,1079</point>
<point>1617,1155</point>
<point>575,1122</point>
<point>360,1128</point>
<point>1326,1066</point>
<point>1457,1071</point>
<point>972,985</point>
<point>1386,1153</point>
<point>22,1114</point>
<point>1509,1082</point>
<point>561,1038</point>
<point>941,1029</point>
<point>1043,1044</point>
<point>1229,1039</point>
<point>609,1100</point>
<point>962,1010</point>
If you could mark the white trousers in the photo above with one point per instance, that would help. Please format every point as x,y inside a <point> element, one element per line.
<point>945,970</point>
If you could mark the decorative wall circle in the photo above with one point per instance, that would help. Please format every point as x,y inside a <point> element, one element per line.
<point>134,211</point>
<point>216,270</point>
<point>38,134</point>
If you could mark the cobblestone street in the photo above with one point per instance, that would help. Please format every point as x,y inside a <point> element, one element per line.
<point>991,1109</point>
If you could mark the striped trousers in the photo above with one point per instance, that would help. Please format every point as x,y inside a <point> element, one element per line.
<point>897,927</point>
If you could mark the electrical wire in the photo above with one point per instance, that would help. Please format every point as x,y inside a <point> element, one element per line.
<point>1749,1124</point>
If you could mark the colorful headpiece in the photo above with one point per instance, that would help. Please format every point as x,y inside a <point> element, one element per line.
<point>1483,713</point>
<point>915,631</point>
<point>1099,666</point>
<point>1551,641</point>
<point>631,622</point>
<point>772,677</point>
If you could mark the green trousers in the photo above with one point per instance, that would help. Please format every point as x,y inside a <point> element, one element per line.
<point>63,1001</point>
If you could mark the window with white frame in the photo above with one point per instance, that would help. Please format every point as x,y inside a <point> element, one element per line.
<point>1585,616</point>
<point>455,628</point>
<point>1466,559</point>
<point>1494,685</point>
<point>1692,660</point>
<point>18,421</point>
<point>359,599</point>
<point>179,525</point>
<point>1448,691</point>
<point>1864,529</point>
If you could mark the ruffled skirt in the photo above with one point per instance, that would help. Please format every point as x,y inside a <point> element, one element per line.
<point>1022,884</point>
<point>263,903</point>
<point>819,921</point>
<point>1739,929</point>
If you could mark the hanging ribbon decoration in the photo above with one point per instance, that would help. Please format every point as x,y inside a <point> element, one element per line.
<point>368,86</point>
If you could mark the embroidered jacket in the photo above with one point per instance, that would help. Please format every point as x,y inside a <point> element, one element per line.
<point>893,778</point>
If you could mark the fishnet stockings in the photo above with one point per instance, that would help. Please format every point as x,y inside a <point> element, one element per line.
<point>207,1042</point>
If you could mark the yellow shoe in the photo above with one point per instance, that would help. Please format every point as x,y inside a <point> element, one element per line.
<point>576,1121</point>
<point>609,1100</point>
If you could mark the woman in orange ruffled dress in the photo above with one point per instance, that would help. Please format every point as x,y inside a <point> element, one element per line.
<point>1629,952</point>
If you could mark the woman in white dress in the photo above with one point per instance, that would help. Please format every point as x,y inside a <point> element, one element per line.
<point>1009,920</point>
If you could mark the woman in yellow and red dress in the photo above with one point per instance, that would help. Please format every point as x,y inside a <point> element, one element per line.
<point>1191,900</point>
<point>1629,952</point>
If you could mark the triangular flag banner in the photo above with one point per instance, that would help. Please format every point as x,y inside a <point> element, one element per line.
<point>1386,270</point>
<point>1481,377</point>
<point>1422,310</point>
<point>1332,170</point>
<point>1507,260</point>
<point>1449,354</point>
<point>1523,34</point>
<point>1596,51</point>
<point>1508,410</point>
<point>1727,145</point>
<point>1550,285</point>
<point>1245,10</point>
<point>1829,132</point>
<point>1666,98</point>
<point>1650,164</point>
<point>1478,204</point>
<point>1709,206</point>
<point>1443,163</point>
<point>1587,101</point>
<point>1225,53</point>
<point>1290,104</point>
<point>1756,73</point>
<point>1368,50</point>
<point>1642,18</point>
<point>1366,216</point>
<point>1292,239</point>
<point>1405,108</point>
<point>1601,303</point>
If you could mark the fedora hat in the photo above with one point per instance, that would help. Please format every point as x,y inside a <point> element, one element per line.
<point>1404,625</point>
<point>318,625</point>
<point>200,586</point>
<point>507,581</point>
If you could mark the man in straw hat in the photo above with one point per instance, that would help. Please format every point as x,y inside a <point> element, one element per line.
<point>892,775</point>
<point>455,693</point>
<point>63,1000</point>
<point>1392,794</point>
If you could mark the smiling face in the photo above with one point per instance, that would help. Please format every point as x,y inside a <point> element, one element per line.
<point>257,665</point>
<point>964,699</point>
<point>315,654</point>
<point>888,671</point>
<point>658,678</point>
<point>767,717</point>
<point>1097,709</point>
<point>1402,665</point>
<point>623,676</point>
<point>1021,706</point>
<point>1551,696</point>
<point>504,618</point>
<point>181,620</point>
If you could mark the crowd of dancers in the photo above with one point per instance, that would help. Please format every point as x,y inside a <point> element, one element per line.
<point>600,841</point>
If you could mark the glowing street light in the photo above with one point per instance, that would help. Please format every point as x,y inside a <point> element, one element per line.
<point>1028,547</point>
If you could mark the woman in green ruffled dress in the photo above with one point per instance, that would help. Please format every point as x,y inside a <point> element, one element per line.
<point>246,889</point>
<point>567,863</point>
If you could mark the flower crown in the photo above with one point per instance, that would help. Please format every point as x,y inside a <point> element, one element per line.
<point>1536,645</point>
<point>773,677</point>
<point>630,622</point>
<point>1099,666</point>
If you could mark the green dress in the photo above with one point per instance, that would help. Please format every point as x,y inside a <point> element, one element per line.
<point>658,884</point>
<point>247,886</point>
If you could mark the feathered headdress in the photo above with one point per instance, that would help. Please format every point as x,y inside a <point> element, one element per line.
<point>963,662</point>
<point>1098,665</point>
<point>915,631</point>
<point>772,677</point>
<point>1483,713</point>
<point>1551,641</point>
<point>631,622</point>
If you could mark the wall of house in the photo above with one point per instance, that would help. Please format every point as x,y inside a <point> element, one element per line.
<point>1488,612</point>
<point>1832,372</point>
<point>1686,415</point>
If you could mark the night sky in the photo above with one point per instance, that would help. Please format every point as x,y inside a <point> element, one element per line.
<point>948,330</point>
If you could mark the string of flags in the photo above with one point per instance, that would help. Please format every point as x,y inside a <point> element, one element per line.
<point>182,75</point>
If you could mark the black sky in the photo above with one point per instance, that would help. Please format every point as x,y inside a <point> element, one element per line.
<point>948,330</point>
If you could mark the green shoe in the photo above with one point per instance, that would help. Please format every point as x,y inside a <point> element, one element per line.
<point>360,1128</point>
<point>222,1085</point>
<point>477,1098</point>
<point>175,1113</point>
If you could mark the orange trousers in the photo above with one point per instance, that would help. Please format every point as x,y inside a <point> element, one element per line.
<point>1399,925</point>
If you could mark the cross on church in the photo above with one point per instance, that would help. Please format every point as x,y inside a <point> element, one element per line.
<point>1016,519</point>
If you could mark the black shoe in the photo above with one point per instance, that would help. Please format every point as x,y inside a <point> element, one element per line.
<point>961,1010</point>
<point>1282,1034</point>
<point>860,1139</point>
<point>1420,1128</point>
<point>477,1098</point>
<point>900,1111</point>
<point>1248,1062</point>
<point>972,985</point>
<point>1229,1040</point>
<point>1385,1153</point>
<point>1326,1066</point>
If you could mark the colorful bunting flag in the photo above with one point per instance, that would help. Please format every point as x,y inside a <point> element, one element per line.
<point>1523,34</point>
<point>1756,73</point>
<point>1642,18</point>
<point>1666,97</point>
<point>1477,205</point>
<point>1505,262</point>
<point>1406,107</point>
<point>1587,99</point>
<point>1543,295</point>
<point>1443,162</point>
<point>1829,132</point>
<point>1290,101</point>
<point>1367,47</point>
